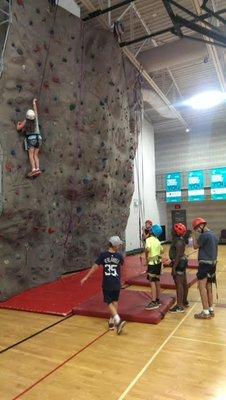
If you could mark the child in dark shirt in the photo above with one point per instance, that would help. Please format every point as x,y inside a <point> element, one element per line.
<point>111,260</point>
<point>179,264</point>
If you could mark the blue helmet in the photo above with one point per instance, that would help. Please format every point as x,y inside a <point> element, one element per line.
<point>156,230</point>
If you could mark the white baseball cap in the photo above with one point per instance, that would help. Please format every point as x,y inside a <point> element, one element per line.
<point>115,241</point>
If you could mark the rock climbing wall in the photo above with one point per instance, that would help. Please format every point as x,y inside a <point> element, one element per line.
<point>89,107</point>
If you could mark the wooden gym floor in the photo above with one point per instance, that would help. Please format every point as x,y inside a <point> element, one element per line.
<point>78,359</point>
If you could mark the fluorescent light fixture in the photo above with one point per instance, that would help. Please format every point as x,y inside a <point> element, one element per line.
<point>187,130</point>
<point>206,100</point>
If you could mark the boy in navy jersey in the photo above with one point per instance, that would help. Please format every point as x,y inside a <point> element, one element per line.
<point>111,260</point>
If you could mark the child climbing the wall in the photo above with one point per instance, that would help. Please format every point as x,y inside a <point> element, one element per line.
<point>111,260</point>
<point>153,252</point>
<point>33,138</point>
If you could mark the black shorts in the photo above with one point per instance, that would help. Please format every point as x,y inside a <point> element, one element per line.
<point>207,271</point>
<point>111,295</point>
<point>33,142</point>
<point>154,272</point>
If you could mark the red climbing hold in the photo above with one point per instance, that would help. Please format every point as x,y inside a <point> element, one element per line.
<point>46,85</point>
<point>9,167</point>
<point>37,49</point>
<point>51,230</point>
<point>20,2</point>
<point>55,79</point>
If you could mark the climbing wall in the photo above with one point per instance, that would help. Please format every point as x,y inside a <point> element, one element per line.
<point>89,106</point>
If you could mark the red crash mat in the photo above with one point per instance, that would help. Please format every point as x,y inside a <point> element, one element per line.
<point>131,307</point>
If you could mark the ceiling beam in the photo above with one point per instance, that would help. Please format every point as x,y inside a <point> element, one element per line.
<point>90,7</point>
<point>212,50</point>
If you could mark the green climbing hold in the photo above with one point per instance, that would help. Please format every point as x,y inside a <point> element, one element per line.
<point>72,107</point>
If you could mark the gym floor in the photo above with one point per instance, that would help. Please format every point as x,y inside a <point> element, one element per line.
<point>77,358</point>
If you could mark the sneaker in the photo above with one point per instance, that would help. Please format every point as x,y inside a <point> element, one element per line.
<point>202,315</point>
<point>176,310</point>
<point>111,326</point>
<point>152,306</point>
<point>158,302</point>
<point>120,326</point>
<point>212,314</point>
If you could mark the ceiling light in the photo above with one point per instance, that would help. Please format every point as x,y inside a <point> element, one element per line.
<point>206,100</point>
<point>187,130</point>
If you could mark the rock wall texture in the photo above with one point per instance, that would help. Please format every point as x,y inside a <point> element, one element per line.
<point>89,107</point>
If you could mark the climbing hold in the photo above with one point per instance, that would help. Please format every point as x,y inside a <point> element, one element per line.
<point>55,79</point>
<point>64,59</point>
<point>20,52</point>
<point>20,3</point>
<point>19,88</point>
<point>30,22</point>
<point>9,166</point>
<point>13,153</point>
<point>87,179</point>
<point>46,85</point>
<point>72,106</point>
<point>37,49</point>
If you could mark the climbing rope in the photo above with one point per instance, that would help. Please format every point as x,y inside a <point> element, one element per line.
<point>48,48</point>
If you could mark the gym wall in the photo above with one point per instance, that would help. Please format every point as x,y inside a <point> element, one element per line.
<point>181,151</point>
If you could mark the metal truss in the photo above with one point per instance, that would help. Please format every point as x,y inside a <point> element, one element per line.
<point>7,24</point>
<point>198,24</point>
<point>132,57</point>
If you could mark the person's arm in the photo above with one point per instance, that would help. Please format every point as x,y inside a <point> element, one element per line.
<point>179,255</point>
<point>147,253</point>
<point>20,126</point>
<point>36,115</point>
<point>196,241</point>
<point>91,272</point>
<point>35,107</point>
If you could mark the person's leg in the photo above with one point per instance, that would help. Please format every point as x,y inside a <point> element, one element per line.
<point>31,159</point>
<point>209,294</point>
<point>153,291</point>
<point>113,310</point>
<point>158,290</point>
<point>202,285</point>
<point>180,290</point>
<point>185,288</point>
<point>36,158</point>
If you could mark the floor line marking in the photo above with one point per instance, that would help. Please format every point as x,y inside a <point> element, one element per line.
<point>11,346</point>
<point>59,366</point>
<point>150,361</point>
<point>200,341</point>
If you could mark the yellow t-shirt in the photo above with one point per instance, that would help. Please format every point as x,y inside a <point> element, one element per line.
<point>154,250</point>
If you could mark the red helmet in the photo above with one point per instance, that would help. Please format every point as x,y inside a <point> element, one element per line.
<point>180,229</point>
<point>198,221</point>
